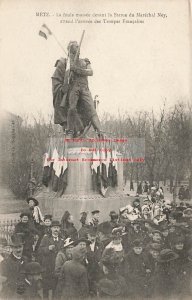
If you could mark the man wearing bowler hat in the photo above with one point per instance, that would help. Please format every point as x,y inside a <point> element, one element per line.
<point>11,268</point>
<point>48,249</point>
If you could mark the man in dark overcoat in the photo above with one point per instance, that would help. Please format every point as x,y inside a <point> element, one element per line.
<point>48,249</point>
<point>11,268</point>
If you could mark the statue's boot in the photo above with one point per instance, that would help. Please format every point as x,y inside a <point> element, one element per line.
<point>97,126</point>
<point>74,121</point>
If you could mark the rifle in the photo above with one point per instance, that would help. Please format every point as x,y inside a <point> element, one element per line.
<point>63,102</point>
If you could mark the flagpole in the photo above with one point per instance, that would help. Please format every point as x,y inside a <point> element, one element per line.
<point>59,43</point>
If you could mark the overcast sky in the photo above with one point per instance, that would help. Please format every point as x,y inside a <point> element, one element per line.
<point>136,66</point>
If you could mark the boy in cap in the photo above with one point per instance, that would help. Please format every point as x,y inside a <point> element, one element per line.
<point>31,285</point>
<point>48,249</point>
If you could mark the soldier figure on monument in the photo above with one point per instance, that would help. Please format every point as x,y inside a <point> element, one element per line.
<point>73,104</point>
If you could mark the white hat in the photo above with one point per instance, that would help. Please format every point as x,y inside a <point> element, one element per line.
<point>68,242</point>
<point>129,208</point>
<point>122,209</point>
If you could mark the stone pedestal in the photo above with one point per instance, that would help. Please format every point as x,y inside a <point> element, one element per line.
<point>79,195</point>
<point>75,204</point>
<point>79,172</point>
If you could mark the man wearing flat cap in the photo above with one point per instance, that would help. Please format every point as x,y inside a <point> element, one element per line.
<point>31,286</point>
<point>48,249</point>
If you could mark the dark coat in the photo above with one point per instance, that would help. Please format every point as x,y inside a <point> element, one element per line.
<point>48,259</point>
<point>82,233</point>
<point>112,285</point>
<point>28,231</point>
<point>164,279</point>
<point>29,291</point>
<point>183,268</point>
<point>11,268</point>
<point>93,269</point>
<point>69,230</point>
<point>75,283</point>
<point>135,274</point>
<point>44,230</point>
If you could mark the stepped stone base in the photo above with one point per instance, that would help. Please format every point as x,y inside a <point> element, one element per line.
<point>76,204</point>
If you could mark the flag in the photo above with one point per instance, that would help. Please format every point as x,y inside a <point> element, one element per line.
<point>55,159</point>
<point>96,161</point>
<point>45,31</point>
<point>46,160</point>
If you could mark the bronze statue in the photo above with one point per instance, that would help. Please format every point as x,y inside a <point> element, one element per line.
<point>73,105</point>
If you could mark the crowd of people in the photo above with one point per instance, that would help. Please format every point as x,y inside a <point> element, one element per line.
<point>142,251</point>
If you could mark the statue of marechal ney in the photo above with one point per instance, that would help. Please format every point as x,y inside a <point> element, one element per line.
<point>75,111</point>
<point>73,105</point>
